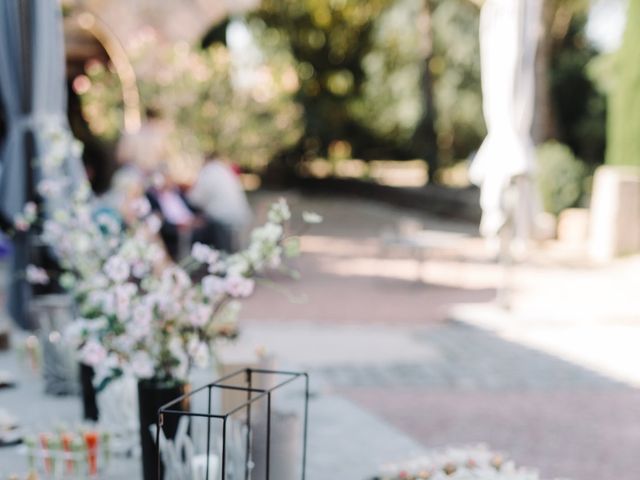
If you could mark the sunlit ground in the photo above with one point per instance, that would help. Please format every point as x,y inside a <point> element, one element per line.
<point>536,380</point>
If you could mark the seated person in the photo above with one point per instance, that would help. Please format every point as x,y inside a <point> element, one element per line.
<point>182,224</point>
<point>219,194</point>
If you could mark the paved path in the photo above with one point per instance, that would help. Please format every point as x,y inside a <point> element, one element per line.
<point>553,382</point>
<point>452,384</point>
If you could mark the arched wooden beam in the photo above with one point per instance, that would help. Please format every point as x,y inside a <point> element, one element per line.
<point>90,22</point>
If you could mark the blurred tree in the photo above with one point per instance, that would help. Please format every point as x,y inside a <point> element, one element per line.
<point>361,67</point>
<point>211,101</point>
<point>580,108</point>
<point>568,105</point>
<point>329,39</point>
<point>455,69</point>
<point>624,101</point>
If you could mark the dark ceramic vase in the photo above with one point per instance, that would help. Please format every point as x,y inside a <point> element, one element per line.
<point>89,404</point>
<point>151,396</point>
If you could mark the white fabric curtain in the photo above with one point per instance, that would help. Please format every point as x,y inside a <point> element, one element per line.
<point>505,163</point>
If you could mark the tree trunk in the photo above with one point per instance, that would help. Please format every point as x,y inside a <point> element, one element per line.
<point>424,138</point>
<point>544,119</point>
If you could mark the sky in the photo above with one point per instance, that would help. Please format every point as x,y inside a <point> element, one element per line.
<point>606,23</point>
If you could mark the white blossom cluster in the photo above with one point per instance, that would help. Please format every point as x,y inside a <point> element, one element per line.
<point>140,313</point>
<point>475,463</point>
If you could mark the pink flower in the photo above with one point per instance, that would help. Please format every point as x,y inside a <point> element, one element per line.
<point>20,223</point>
<point>117,269</point>
<point>141,207</point>
<point>212,286</point>
<point>153,223</point>
<point>203,253</point>
<point>93,353</point>
<point>36,275</point>
<point>200,315</point>
<point>239,286</point>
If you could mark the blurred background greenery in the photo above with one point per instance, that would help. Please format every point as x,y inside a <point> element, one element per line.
<point>291,84</point>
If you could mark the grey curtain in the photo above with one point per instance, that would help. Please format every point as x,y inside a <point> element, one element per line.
<point>33,91</point>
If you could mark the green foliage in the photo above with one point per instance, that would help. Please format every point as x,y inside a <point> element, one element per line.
<point>101,99</point>
<point>197,91</point>
<point>359,66</point>
<point>390,104</point>
<point>455,69</point>
<point>561,177</point>
<point>624,100</point>
<point>580,106</point>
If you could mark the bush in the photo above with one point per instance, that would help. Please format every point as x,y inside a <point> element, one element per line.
<point>561,177</point>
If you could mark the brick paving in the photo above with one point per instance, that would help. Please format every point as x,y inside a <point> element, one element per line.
<point>348,276</point>
<point>552,385</point>
<point>468,359</point>
<point>572,433</point>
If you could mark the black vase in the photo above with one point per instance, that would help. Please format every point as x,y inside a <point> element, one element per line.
<point>89,405</point>
<point>151,396</point>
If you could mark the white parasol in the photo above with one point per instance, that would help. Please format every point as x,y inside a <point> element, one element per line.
<point>504,165</point>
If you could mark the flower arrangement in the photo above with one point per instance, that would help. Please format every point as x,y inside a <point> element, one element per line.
<point>457,464</point>
<point>138,312</point>
<point>155,319</point>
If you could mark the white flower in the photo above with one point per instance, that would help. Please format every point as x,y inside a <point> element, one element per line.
<point>36,275</point>
<point>30,211</point>
<point>51,231</point>
<point>124,343</point>
<point>117,269</point>
<point>154,253</point>
<point>51,188</point>
<point>199,315</point>
<point>199,352</point>
<point>268,233</point>
<point>74,332</point>
<point>20,223</point>
<point>141,207</point>
<point>212,286</point>
<point>175,277</point>
<point>279,212</point>
<point>93,353</point>
<point>139,269</point>
<point>142,365</point>
<point>237,265</point>
<point>105,369</point>
<point>239,286</point>
<point>153,223</point>
<point>311,217</point>
<point>123,295</point>
<point>141,324</point>
<point>50,162</point>
<point>203,253</point>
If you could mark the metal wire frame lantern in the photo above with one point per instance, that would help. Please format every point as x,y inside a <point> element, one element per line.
<point>253,395</point>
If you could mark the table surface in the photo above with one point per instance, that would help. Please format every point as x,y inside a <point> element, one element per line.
<point>37,412</point>
<point>345,441</point>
